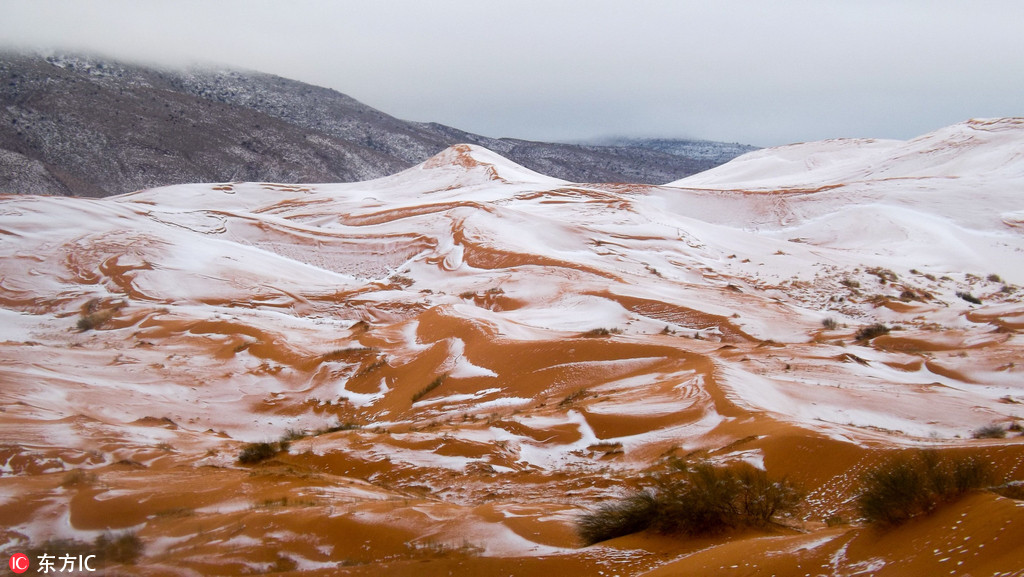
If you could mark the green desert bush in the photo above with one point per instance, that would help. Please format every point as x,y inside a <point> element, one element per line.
<point>993,431</point>
<point>430,387</point>
<point>870,332</point>
<point>909,485</point>
<point>77,477</point>
<point>123,549</point>
<point>969,298</point>
<point>602,332</point>
<point>88,322</point>
<point>257,452</point>
<point>700,500</point>
<point>635,513</point>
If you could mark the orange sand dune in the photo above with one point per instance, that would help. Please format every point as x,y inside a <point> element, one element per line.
<point>439,372</point>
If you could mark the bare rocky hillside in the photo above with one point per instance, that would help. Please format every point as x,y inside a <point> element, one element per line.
<point>77,125</point>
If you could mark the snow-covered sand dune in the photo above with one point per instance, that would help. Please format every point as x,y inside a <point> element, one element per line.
<point>469,335</point>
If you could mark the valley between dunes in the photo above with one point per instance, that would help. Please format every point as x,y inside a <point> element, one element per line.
<point>467,355</point>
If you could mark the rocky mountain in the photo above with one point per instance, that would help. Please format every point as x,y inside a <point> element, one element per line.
<point>706,150</point>
<point>86,126</point>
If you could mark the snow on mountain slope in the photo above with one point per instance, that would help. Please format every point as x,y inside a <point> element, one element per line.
<point>979,148</point>
<point>448,343</point>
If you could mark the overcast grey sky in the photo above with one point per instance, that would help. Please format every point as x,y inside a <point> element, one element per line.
<point>749,71</point>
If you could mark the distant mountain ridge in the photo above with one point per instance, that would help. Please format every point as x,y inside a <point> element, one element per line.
<point>89,126</point>
<point>719,152</point>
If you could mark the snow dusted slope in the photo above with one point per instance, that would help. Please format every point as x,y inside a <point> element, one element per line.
<point>940,203</point>
<point>455,340</point>
<point>979,148</point>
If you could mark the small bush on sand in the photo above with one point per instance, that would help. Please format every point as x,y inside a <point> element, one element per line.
<point>870,332</point>
<point>830,324</point>
<point>346,426</point>
<point>573,397</point>
<point>93,315</point>
<point>993,431</point>
<point>124,549</point>
<point>77,478</point>
<point>1011,490</point>
<point>915,484</point>
<point>701,500</point>
<point>602,332</point>
<point>94,320</point>
<point>969,298</point>
<point>257,452</point>
<point>635,513</point>
<point>430,387</point>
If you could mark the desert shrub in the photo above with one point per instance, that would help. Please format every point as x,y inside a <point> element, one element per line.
<point>994,278</point>
<point>346,426</point>
<point>283,564</point>
<point>77,477</point>
<point>701,500</point>
<point>1011,490</point>
<point>993,431</point>
<point>633,514</point>
<point>124,548</point>
<point>293,435</point>
<point>176,512</point>
<point>834,521</point>
<point>884,275</point>
<point>257,452</point>
<point>402,280</point>
<point>915,484</point>
<point>969,298</point>
<point>894,493</point>
<point>762,497</point>
<point>970,473</point>
<point>602,332</point>
<point>94,320</point>
<point>870,332</point>
<point>430,387</point>
<point>573,397</point>
<point>850,283</point>
<point>93,314</point>
<point>830,324</point>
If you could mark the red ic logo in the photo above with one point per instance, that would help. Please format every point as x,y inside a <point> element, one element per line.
<point>19,562</point>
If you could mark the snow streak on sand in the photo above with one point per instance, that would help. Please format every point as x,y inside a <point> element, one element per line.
<point>466,335</point>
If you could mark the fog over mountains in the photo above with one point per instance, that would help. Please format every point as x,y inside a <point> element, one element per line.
<point>86,126</point>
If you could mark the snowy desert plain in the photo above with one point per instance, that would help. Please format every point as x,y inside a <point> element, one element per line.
<point>467,356</point>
